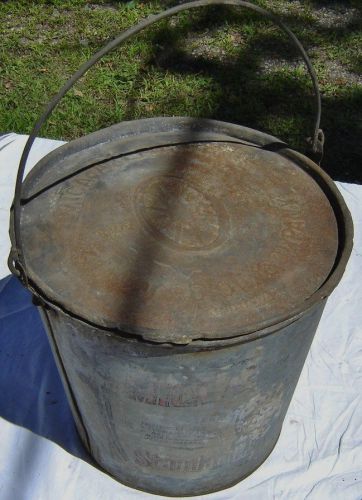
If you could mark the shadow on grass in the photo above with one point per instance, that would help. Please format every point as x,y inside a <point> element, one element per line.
<point>277,101</point>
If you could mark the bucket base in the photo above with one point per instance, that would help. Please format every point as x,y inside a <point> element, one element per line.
<point>180,493</point>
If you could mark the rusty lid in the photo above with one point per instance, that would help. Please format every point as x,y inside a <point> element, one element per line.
<point>177,230</point>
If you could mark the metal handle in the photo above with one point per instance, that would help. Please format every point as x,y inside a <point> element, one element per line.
<point>16,262</point>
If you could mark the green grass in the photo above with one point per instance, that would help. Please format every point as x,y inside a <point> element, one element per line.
<point>218,62</point>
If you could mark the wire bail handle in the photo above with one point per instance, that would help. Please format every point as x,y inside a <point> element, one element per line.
<point>16,261</point>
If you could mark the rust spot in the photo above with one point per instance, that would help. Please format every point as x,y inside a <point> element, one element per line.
<point>181,242</point>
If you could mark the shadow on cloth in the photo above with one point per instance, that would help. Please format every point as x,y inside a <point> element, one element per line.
<point>32,394</point>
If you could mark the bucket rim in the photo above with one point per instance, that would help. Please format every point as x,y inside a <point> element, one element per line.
<point>326,184</point>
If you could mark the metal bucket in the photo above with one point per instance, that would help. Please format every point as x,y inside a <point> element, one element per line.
<point>181,268</point>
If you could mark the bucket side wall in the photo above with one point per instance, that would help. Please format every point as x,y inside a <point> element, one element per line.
<point>180,420</point>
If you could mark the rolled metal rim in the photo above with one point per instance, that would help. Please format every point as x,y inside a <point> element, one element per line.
<point>345,243</point>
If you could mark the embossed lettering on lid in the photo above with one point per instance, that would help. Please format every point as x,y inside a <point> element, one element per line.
<point>181,242</point>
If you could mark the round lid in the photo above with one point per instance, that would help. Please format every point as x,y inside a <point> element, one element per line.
<point>176,239</point>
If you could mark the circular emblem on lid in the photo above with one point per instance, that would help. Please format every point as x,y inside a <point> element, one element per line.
<point>196,221</point>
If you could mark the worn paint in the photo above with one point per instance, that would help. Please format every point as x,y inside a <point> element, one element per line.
<point>181,420</point>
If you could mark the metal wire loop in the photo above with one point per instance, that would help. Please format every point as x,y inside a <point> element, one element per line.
<point>17,259</point>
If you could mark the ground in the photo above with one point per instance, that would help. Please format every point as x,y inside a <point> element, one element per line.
<point>218,62</point>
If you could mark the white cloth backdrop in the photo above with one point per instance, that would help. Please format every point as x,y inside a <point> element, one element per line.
<point>318,455</point>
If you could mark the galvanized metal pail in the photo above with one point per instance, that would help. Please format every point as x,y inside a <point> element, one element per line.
<point>181,268</point>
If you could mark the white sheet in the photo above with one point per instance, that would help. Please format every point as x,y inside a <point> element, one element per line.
<point>319,453</point>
